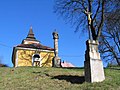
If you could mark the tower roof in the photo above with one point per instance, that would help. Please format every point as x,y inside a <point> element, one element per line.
<point>30,38</point>
<point>30,34</point>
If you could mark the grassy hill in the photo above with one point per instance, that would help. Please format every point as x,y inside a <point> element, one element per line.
<point>34,78</point>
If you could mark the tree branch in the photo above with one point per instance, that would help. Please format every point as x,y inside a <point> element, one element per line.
<point>102,20</point>
<point>96,10</point>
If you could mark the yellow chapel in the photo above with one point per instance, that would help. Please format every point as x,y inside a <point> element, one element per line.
<point>32,53</point>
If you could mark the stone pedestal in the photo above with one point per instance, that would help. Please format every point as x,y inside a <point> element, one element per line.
<point>56,62</point>
<point>94,71</point>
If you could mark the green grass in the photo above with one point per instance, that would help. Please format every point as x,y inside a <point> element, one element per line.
<point>34,78</point>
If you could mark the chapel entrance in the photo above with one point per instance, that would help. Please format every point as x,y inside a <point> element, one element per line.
<point>36,60</point>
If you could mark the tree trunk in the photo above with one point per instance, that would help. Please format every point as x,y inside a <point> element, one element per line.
<point>93,34</point>
<point>117,59</point>
<point>118,62</point>
<point>93,31</point>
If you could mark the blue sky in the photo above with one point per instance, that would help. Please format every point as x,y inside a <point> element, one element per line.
<point>16,17</point>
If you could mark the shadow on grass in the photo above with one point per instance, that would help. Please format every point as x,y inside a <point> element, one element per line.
<point>72,79</point>
<point>37,72</point>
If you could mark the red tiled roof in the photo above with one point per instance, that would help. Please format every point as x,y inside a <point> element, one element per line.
<point>67,64</point>
<point>35,46</point>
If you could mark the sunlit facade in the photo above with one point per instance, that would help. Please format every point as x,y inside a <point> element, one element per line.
<point>32,53</point>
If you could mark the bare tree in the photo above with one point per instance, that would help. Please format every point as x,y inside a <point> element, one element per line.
<point>83,13</point>
<point>96,16</point>
<point>110,37</point>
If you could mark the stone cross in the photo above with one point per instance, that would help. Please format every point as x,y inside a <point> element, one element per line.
<point>88,14</point>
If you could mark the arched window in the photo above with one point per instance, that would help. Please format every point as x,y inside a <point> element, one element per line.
<point>36,57</point>
<point>36,60</point>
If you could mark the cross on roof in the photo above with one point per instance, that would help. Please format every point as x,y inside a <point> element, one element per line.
<point>30,34</point>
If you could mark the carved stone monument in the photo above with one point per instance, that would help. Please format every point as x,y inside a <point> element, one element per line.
<point>94,71</point>
<point>56,59</point>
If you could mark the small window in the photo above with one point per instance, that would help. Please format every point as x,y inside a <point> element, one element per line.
<point>36,60</point>
<point>36,57</point>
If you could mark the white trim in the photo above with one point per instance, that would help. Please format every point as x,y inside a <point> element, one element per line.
<point>16,60</point>
<point>20,48</point>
